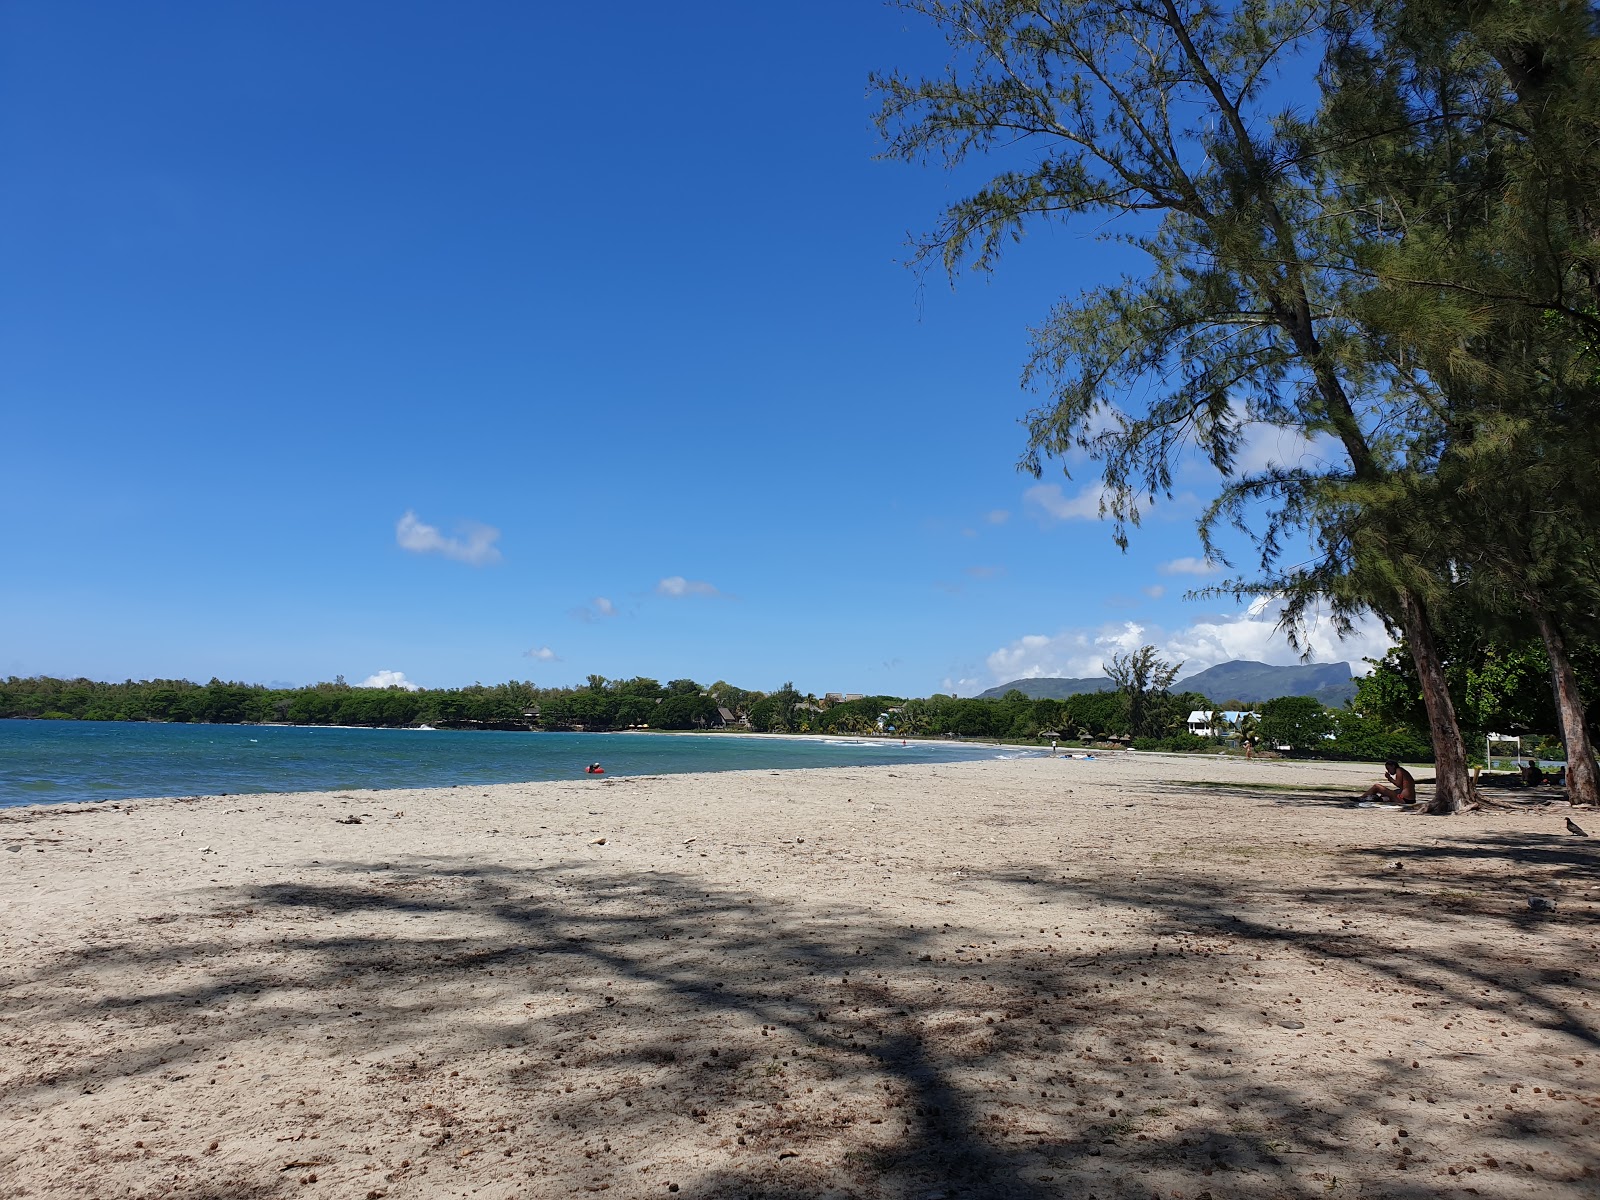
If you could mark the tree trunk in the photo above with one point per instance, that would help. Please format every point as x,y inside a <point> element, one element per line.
<point>1583,777</point>
<point>1452,790</point>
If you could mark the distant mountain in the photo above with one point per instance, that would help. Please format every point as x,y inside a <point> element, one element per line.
<point>1049,689</point>
<point>1251,682</point>
<point>1254,682</point>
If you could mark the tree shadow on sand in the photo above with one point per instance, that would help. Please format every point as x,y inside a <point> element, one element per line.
<point>526,1020</point>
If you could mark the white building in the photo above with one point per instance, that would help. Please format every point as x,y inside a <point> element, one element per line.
<point>1200,722</point>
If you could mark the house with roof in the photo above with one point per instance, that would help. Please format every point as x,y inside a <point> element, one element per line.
<point>728,719</point>
<point>1201,726</point>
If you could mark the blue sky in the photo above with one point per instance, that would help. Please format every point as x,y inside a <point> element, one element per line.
<point>493,341</point>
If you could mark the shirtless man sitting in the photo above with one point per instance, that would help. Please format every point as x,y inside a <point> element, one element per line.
<point>1404,790</point>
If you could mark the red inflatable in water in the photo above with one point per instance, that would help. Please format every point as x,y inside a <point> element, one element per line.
<point>594,769</point>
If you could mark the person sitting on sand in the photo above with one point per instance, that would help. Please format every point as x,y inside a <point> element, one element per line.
<point>1404,790</point>
<point>1532,776</point>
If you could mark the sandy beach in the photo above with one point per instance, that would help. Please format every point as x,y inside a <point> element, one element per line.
<point>1138,976</point>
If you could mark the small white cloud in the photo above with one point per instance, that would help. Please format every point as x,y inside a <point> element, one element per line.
<point>542,653</point>
<point>390,679</point>
<point>997,516</point>
<point>1266,447</point>
<point>1190,566</point>
<point>475,547</point>
<point>677,585</point>
<point>597,609</point>
<point>1047,502</point>
<point>1156,590</point>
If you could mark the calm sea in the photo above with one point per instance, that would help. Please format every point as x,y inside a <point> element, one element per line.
<point>44,762</point>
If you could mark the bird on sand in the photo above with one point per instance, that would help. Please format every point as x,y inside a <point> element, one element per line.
<point>1574,827</point>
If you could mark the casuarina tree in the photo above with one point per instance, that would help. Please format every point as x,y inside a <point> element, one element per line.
<point>1463,140</point>
<point>1166,114</point>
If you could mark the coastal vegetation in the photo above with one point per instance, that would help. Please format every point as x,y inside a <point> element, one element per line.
<point>1370,228</point>
<point>1500,686</point>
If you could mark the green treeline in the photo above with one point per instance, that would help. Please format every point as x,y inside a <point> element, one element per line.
<point>1384,720</point>
<point>601,704</point>
<point>218,702</point>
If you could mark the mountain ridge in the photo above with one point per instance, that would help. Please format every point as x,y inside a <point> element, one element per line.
<point>1241,679</point>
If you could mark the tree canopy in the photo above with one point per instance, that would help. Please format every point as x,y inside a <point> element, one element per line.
<point>1405,276</point>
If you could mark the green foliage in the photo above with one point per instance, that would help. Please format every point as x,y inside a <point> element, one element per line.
<point>1463,140</point>
<point>1177,743</point>
<point>859,716</point>
<point>1246,317</point>
<point>735,699</point>
<point>1367,737</point>
<point>1385,720</point>
<point>1502,685</point>
<point>507,705</point>
<point>1298,722</point>
<point>1144,682</point>
<point>783,711</point>
<point>1164,115</point>
<point>684,710</point>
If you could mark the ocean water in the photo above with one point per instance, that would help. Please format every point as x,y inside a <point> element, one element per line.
<point>47,762</point>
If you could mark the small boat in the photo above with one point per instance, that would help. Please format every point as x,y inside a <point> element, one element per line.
<point>429,728</point>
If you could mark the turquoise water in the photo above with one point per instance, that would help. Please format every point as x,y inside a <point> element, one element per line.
<point>47,762</point>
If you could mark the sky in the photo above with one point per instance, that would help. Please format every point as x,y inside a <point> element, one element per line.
<point>430,344</point>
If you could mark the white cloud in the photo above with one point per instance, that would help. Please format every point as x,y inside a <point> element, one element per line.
<point>1048,502</point>
<point>390,679</point>
<point>542,653</point>
<point>1156,590</point>
<point>475,547</point>
<point>677,585</point>
<point>1252,634</point>
<point>997,516</point>
<point>597,609</point>
<point>1263,447</point>
<point>1190,566</point>
<point>1070,654</point>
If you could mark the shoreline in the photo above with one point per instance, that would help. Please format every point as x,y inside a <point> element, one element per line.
<point>640,757</point>
<point>866,737</point>
<point>1002,977</point>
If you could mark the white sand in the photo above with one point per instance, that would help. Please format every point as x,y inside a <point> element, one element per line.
<point>1146,976</point>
